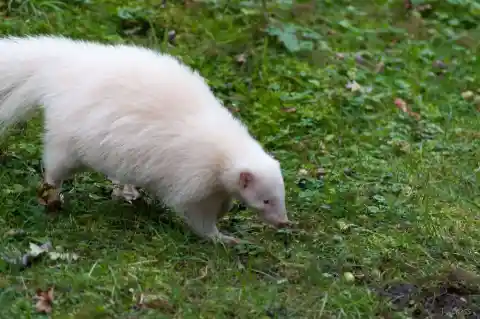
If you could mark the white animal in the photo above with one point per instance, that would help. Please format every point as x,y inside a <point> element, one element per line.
<point>141,118</point>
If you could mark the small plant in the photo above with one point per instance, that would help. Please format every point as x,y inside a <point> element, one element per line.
<point>34,7</point>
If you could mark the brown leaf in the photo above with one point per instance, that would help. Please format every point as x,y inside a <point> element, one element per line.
<point>379,67</point>
<point>289,109</point>
<point>331,32</point>
<point>44,300</point>
<point>14,232</point>
<point>47,196</point>
<point>155,302</point>
<point>402,105</point>
<point>44,193</point>
<point>299,9</point>
<point>408,4</point>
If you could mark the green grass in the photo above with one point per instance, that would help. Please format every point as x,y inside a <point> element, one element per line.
<point>398,200</point>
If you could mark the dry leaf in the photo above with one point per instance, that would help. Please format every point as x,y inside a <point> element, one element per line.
<point>155,302</point>
<point>44,300</point>
<point>303,8</point>
<point>468,95</point>
<point>476,100</point>
<point>423,7</point>
<point>321,172</point>
<point>402,105</point>
<point>289,109</point>
<point>129,192</point>
<point>47,196</point>
<point>45,193</point>
<point>379,67</point>
<point>353,86</point>
<point>408,4</point>
<point>302,172</point>
<point>241,58</point>
<point>14,232</point>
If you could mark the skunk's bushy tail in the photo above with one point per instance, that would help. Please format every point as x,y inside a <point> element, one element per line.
<point>20,79</point>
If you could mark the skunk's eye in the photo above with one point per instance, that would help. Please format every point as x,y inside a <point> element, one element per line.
<point>266,202</point>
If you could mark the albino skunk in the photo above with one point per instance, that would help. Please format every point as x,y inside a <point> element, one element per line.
<point>141,118</point>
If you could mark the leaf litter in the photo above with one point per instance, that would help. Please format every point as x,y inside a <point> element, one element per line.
<point>152,301</point>
<point>44,300</point>
<point>403,106</point>
<point>36,252</point>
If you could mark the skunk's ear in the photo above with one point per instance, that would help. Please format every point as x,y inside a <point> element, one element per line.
<point>245,179</point>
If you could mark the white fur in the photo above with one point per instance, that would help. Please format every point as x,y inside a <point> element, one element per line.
<point>141,118</point>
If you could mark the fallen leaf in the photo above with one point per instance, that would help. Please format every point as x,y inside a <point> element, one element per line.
<point>44,300</point>
<point>402,105</point>
<point>129,192</point>
<point>476,100</point>
<point>379,67</point>
<point>289,109</point>
<point>303,8</point>
<point>302,172</point>
<point>14,232</point>
<point>423,7</point>
<point>408,4</point>
<point>45,193</point>
<point>468,95</point>
<point>353,86</point>
<point>154,302</point>
<point>321,172</point>
<point>241,58</point>
<point>47,196</point>
<point>203,274</point>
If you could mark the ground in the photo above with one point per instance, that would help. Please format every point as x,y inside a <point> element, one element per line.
<point>372,109</point>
